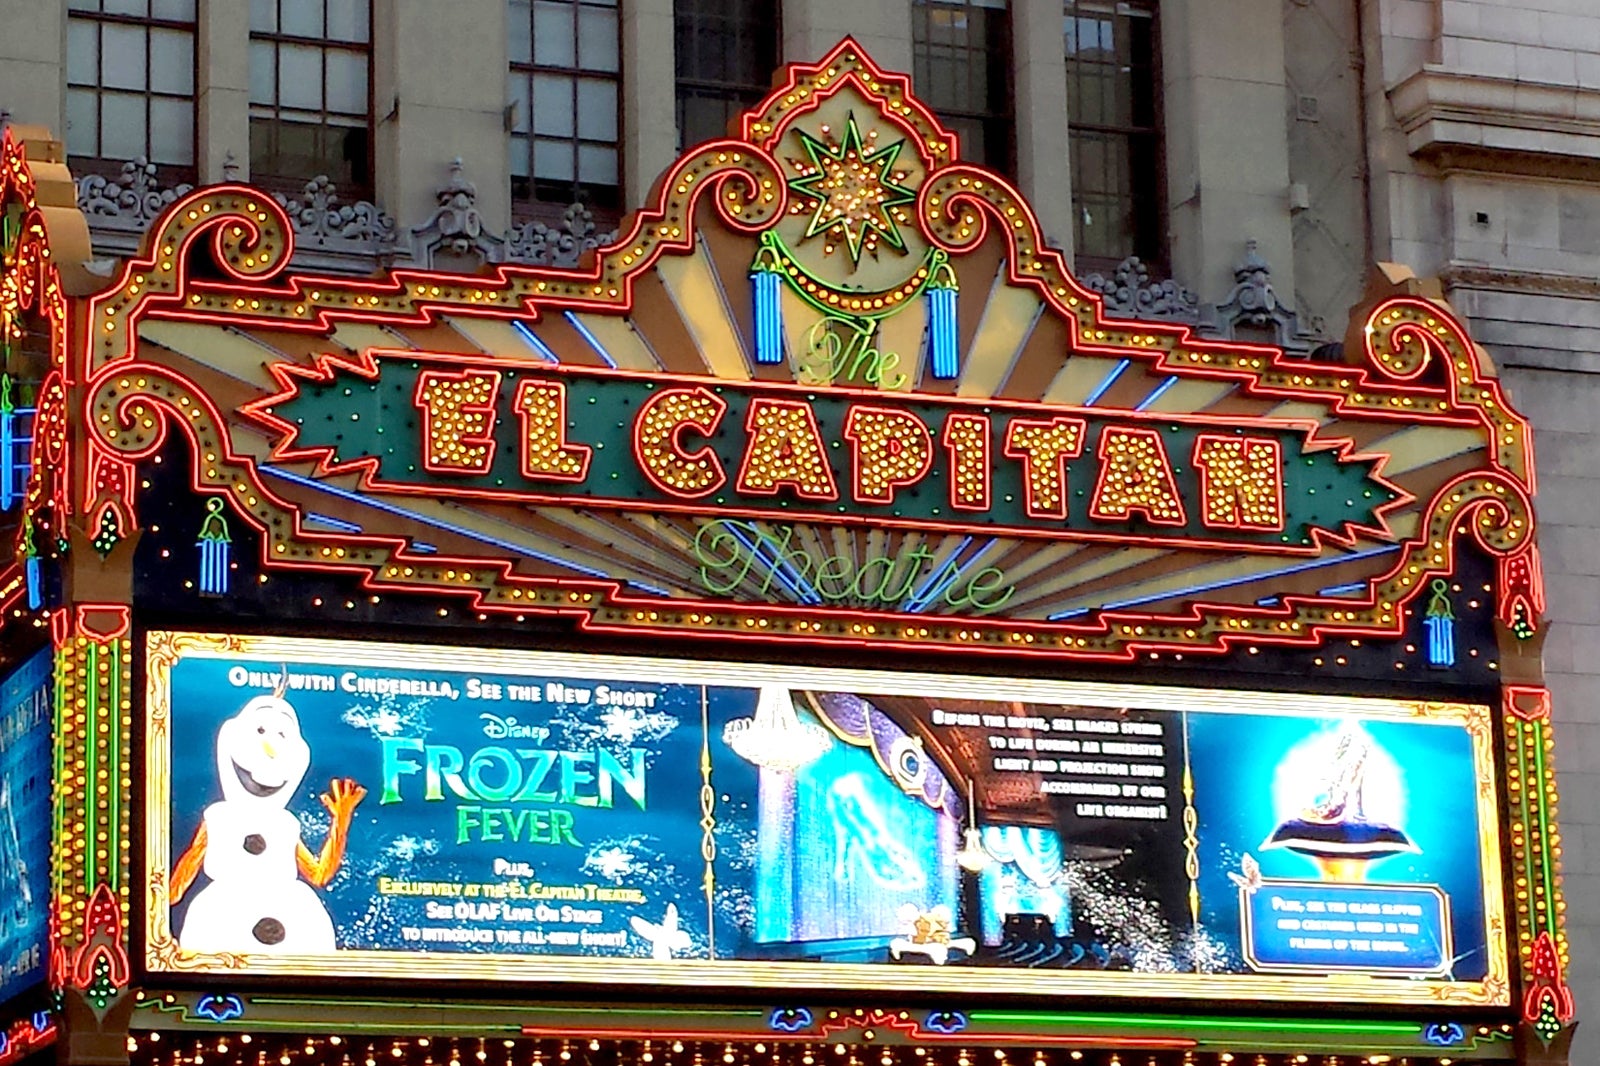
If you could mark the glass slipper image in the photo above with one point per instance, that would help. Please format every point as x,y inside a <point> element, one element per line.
<point>664,938</point>
<point>15,892</point>
<point>249,845</point>
<point>862,838</point>
<point>928,934</point>
<point>1334,830</point>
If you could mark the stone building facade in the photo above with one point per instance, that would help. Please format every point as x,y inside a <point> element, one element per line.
<point>1262,154</point>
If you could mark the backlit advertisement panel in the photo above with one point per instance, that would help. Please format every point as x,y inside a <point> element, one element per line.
<point>344,808</point>
<point>25,763</point>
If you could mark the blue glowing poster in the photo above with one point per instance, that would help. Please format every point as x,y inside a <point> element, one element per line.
<point>25,761</point>
<point>388,810</point>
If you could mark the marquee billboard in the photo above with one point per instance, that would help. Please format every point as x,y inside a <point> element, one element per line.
<point>348,808</point>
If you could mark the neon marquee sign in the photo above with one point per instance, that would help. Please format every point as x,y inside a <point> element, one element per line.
<point>964,451</point>
<point>533,433</point>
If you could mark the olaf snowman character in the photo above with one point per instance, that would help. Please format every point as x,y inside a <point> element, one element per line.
<point>249,844</point>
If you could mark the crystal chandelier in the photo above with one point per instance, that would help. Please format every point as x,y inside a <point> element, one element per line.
<point>973,856</point>
<point>776,739</point>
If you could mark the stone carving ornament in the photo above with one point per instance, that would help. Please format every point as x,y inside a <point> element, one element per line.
<point>319,217</point>
<point>1129,293</point>
<point>136,198</point>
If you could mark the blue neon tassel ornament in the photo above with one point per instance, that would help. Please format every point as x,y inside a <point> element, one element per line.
<point>31,572</point>
<point>766,287</point>
<point>8,447</point>
<point>940,297</point>
<point>216,550</point>
<point>1440,623</point>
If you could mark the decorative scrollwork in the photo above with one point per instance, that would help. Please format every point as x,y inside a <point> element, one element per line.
<point>1405,334</point>
<point>321,220</point>
<point>565,245</point>
<point>133,201</point>
<point>1130,293</point>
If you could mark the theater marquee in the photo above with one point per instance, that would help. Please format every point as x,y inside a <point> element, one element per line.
<point>767,414</point>
<point>714,615</point>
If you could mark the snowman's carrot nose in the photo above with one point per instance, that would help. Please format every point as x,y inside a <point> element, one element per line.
<point>271,749</point>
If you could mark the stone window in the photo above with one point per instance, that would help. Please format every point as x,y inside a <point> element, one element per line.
<point>1114,125</point>
<point>565,110</point>
<point>726,51</point>
<point>311,94</point>
<point>961,66</point>
<point>130,84</point>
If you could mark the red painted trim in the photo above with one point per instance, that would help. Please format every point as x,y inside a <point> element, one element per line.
<point>1160,472</point>
<point>1029,455</point>
<point>290,377</point>
<point>967,438</point>
<point>102,622</point>
<point>801,433</point>
<point>1206,443</point>
<point>1531,703</point>
<point>710,410</point>
<point>423,398</point>
<point>908,431</point>
<point>567,462</point>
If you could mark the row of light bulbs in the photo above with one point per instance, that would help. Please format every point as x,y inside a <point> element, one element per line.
<point>156,1048</point>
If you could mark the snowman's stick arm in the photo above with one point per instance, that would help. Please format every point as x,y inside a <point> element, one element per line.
<point>319,869</point>
<point>188,867</point>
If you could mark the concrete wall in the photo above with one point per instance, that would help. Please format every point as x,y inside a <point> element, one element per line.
<point>1565,406</point>
<point>1484,130</point>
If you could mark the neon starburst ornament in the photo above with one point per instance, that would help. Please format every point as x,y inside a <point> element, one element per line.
<point>854,189</point>
<point>775,738</point>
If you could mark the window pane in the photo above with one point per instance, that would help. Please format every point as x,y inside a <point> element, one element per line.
<point>553,34</point>
<point>348,21</point>
<point>296,154</point>
<point>83,52</point>
<point>122,57</point>
<point>597,110</point>
<point>962,60</point>
<point>122,126</point>
<point>596,165</point>
<point>597,39</point>
<point>519,157</point>
<point>176,10</point>
<point>552,160</point>
<point>347,81</point>
<point>171,131</point>
<point>552,105</point>
<point>519,31</point>
<point>172,62</point>
<point>136,8</point>
<point>726,52</point>
<point>264,16</point>
<point>702,118</point>
<point>300,76</point>
<point>302,18</point>
<point>517,97</point>
<point>711,47</point>
<point>83,5</point>
<point>83,127</point>
<point>263,72</point>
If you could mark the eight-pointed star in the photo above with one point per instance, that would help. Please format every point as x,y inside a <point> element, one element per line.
<point>854,189</point>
